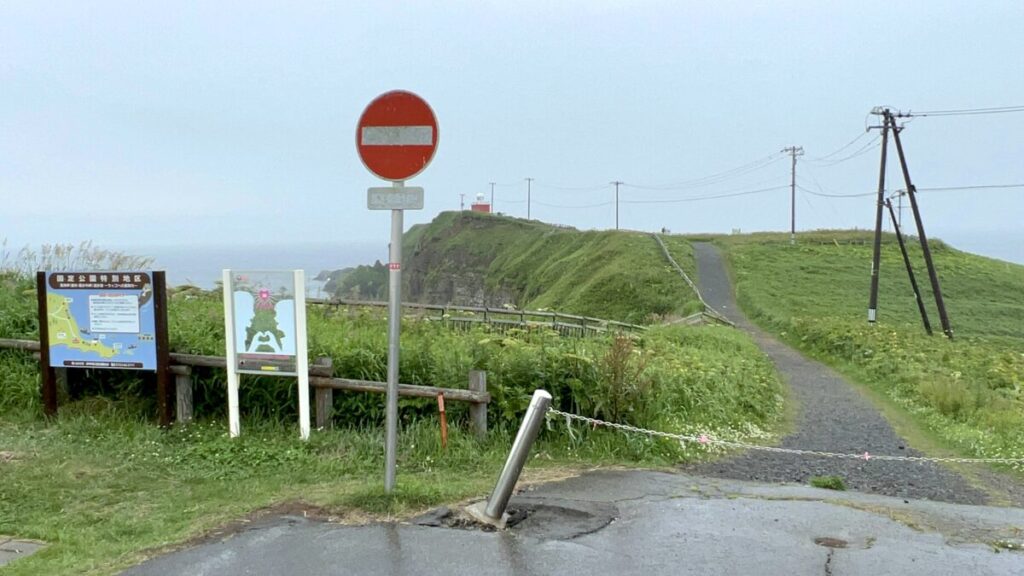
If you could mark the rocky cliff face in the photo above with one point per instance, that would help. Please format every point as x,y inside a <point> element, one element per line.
<point>444,269</point>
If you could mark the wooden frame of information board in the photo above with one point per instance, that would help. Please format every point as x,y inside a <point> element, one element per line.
<point>92,283</point>
<point>242,363</point>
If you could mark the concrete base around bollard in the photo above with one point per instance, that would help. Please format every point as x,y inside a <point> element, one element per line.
<point>476,512</point>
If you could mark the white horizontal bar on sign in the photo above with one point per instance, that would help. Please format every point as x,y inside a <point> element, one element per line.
<point>404,198</point>
<point>398,136</point>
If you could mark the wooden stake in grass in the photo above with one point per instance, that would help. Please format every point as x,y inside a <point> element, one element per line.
<point>444,421</point>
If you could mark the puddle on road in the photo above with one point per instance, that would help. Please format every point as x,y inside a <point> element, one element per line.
<point>829,542</point>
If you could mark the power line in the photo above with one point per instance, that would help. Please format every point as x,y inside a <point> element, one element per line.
<point>871,145</point>
<point>935,189</point>
<point>838,150</point>
<point>714,178</point>
<point>969,111</point>
<point>541,184</point>
<point>827,195</point>
<point>979,187</point>
<point>712,197</point>
<point>545,204</point>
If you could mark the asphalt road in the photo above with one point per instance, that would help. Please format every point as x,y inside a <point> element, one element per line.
<point>641,522</point>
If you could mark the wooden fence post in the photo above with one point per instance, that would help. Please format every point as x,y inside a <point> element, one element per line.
<point>323,367</point>
<point>63,385</point>
<point>183,392</point>
<point>478,410</point>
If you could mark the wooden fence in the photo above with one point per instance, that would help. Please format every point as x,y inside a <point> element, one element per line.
<point>321,379</point>
<point>502,318</point>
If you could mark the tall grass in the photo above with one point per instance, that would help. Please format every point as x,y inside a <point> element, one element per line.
<point>83,256</point>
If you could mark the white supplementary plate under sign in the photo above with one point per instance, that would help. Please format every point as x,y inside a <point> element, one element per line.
<point>389,198</point>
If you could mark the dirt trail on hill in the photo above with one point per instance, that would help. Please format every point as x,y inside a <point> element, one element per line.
<point>834,417</point>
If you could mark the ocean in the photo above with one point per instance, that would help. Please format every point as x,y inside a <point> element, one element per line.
<point>202,265</point>
<point>1003,245</point>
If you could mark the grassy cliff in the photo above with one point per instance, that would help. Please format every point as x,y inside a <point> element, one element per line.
<point>469,258</point>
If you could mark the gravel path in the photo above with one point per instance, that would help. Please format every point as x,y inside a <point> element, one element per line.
<point>832,417</point>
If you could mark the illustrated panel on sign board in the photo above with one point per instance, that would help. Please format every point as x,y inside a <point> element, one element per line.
<point>264,314</point>
<point>101,320</point>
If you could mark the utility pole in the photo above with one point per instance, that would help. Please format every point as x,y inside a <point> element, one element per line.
<point>910,270</point>
<point>462,202</point>
<point>529,182</point>
<point>492,197</point>
<point>932,275</point>
<point>793,151</point>
<point>617,184</point>
<point>877,254</point>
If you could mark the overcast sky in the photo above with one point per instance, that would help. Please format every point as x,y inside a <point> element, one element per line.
<point>159,123</point>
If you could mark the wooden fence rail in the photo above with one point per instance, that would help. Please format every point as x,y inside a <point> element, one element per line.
<point>321,379</point>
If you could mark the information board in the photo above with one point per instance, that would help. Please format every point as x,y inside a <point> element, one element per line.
<point>101,320</point>
<point>263,310</point>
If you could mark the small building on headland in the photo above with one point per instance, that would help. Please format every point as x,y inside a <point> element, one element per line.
<point>480,205</point>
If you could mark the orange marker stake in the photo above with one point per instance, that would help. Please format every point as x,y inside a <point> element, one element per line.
<point>444,421</point>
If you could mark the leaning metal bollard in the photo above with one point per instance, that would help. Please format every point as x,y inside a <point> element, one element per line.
<point>494,513</point>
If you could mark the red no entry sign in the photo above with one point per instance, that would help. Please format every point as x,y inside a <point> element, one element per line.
<point>397,135</point>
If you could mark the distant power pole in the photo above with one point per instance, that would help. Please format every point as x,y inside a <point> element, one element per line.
<point>529,182</point>
<point>794,151</point>
<point>617,184</point>
<point>462,201</point>
<point>492,197</point>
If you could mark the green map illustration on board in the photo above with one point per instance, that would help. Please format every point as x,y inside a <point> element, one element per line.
<point>264,328</point>
<point>64,331</point>
<point>264,314</point>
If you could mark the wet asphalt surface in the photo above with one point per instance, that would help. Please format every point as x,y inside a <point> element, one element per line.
<point>639,522</point>
<point>832,417</point>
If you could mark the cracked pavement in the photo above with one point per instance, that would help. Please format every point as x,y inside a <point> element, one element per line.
<point>642,522</point>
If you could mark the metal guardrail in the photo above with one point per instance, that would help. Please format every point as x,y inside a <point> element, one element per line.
<point>708,313</point>
<point>507,317</point>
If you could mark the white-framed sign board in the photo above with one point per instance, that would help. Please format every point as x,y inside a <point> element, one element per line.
<point>265,333</point>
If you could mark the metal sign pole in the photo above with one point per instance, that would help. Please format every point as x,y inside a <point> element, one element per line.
<point>234,420</point>
<point>301,355</point>
<point>394,326</point>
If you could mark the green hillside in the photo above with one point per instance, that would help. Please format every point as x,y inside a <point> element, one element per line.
<point>969,391</point>
<point>827,275</point>
<point>608,274</point>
